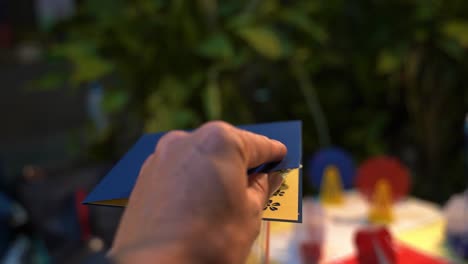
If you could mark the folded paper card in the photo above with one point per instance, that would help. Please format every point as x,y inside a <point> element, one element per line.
<point>284,205</point>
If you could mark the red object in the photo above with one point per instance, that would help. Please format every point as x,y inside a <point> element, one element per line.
<point>405,255</point>
<point>383,167</point>
<point>310,252</point>
<point>374,246</point>
<point>83,214</point>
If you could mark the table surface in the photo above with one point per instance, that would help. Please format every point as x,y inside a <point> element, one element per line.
<point>419,224</point>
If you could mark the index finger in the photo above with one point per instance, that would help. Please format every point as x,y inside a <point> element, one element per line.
<point>259,149</point>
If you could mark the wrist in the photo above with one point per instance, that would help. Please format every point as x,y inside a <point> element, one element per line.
<point>153,254</point>
<point>227,246</point>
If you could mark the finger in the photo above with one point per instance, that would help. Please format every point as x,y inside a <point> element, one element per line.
<point>218,138</point>
<point>258,149</point>
<point>275,180</point>
<point>262,186</point>
<point>258,189</point>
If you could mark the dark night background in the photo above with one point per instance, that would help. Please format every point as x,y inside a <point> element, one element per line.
<point>81,80</point>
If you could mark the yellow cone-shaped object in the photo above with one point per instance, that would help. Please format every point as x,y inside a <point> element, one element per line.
<point>381,204</point>
<point>331,189</point>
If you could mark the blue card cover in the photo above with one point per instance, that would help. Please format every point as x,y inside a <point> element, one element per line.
<point>119,182</point>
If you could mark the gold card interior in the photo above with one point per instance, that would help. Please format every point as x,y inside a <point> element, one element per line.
<point>283,205</point>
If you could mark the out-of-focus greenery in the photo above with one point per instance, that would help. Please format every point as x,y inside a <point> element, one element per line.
<point>373,77</point>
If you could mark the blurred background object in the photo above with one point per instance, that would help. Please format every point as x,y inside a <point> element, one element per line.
<point>456,213</point>
<point>81,80</point>
<point>359,75</point>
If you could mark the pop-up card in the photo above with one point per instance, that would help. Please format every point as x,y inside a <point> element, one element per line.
<point>284,205</point>
<point>383,180</point>
<point>331,170</point>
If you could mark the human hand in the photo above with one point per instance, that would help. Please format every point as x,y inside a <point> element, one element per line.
<point>193,201</point>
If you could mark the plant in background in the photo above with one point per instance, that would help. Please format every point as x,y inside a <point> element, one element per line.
<point>172,64</point>
<point>372,76</point>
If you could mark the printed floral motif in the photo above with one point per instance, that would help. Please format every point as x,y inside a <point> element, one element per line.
<point>273,206</point>
<point>278,193</point>
<point>281,190</point>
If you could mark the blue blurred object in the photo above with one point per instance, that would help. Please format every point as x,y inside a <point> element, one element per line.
<point>6,208</point>
<point>456,229</point>
<point>331,157</point>
<point>50,12</point>
<point>456,213</point>
<point>94,105</point>
<point>459,244</point>
<point>17,250</point>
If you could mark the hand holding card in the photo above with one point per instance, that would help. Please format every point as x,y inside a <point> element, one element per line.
<point>284,205</point>
<point>193,198</point>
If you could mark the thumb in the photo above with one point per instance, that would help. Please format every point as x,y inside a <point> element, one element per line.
<point>262,186</point>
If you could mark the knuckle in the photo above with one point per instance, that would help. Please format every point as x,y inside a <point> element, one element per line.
<point>170,138</point>
<point>219,134</point>
<point>219,137</point>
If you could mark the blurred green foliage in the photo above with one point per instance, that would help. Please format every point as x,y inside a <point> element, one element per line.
<point>373,77</point>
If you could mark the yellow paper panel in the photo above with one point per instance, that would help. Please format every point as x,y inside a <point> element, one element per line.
<point>284,204</point>
<point>113,202</point>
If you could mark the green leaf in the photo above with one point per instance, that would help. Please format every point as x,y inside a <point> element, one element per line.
<point>89,69</point>
<point>208,7</point>
<point>239,60</point>
<point>159,114</point>
<point>229,8</point>
<point>216,46</point>
<point>212,100</point>
<point>104,9</point>
<point>303,23</point>
<point>240,21</point>
<point>268,7</point>
<point>264,40</point>
<point>173,90</point>
<point>114,101</point>
<point>159,121</point>
<point>387,62</point>
<point>48,82</point>
<point>87,64</point>
<point>166,106</point>
<point>185,118</point>
<point>458,30</point>
<point>451,48</point>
